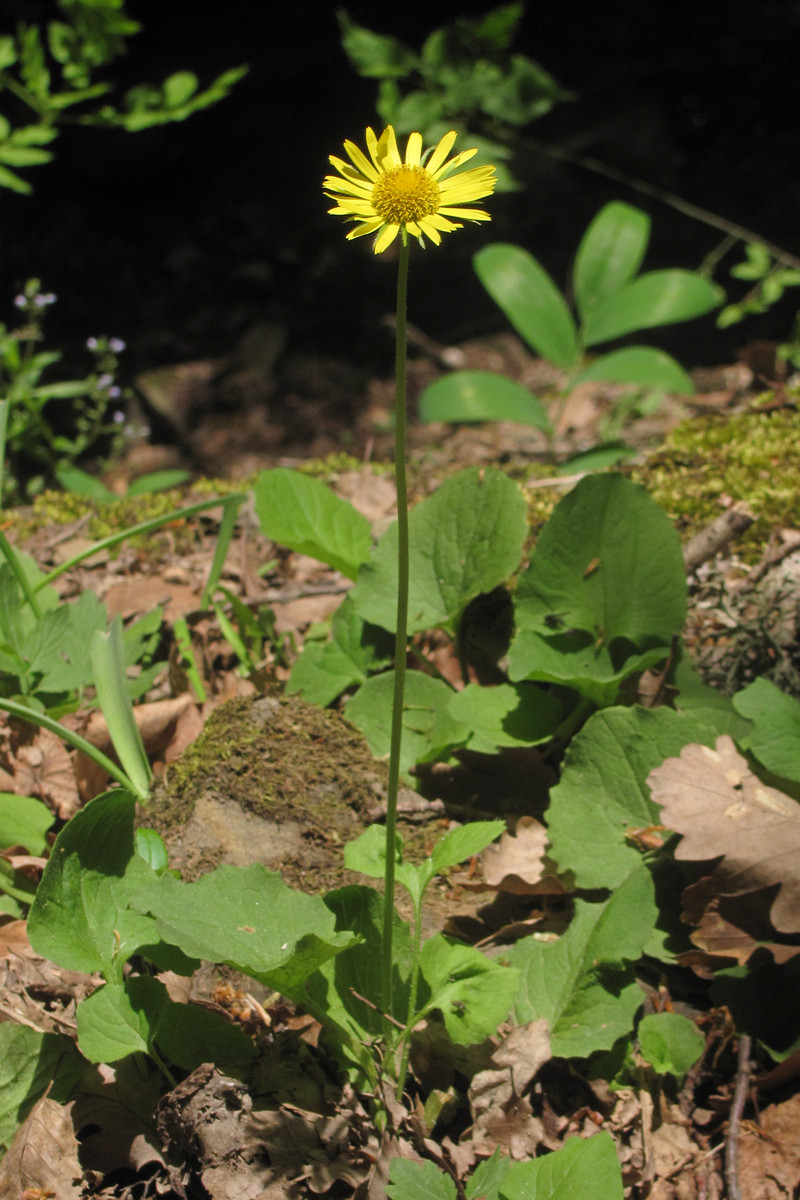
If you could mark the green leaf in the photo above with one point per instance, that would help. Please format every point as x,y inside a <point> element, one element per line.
<point>108,665</point>
<point>481,396</point>
<point>24,822</point>
<point>323,672</point>
<point>344,990</point>
<point>32,1064</point>
<point>150,846</point>
<point>671,1043</point>
<point>410,1180</point>
<point>246,917</point>
<point>473,993</point>
<point>157,481</point>
<point>485,1181</point>
<point>374,55</point>
<point>531,301</point>
<point>583,984</point>
<point>775,736</point>
<point>15,184</point>
<point>655,298</point>
<point>642,365</point>
<point>117,1019</point>
<point>303,514</point>
<point>581,1168</point>
<point>598,458</point>
<point>519,714</point>
<point>429,731</point>
<point>496,29</point>
<point>603,791</point>
<point>524,93</point>
<point>81,483</point>
<point>58,649</point>
<point>576,623</point>
<point>80,918</point>
<point>137,1016</point>
<point>178,88</point>
<point>464,540</point>
<point>610,253</point>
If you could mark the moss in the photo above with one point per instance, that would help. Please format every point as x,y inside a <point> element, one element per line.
<point>302,769</point>
<point>709,461</point>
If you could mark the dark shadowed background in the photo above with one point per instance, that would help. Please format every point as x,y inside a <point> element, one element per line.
<point>175,238</point>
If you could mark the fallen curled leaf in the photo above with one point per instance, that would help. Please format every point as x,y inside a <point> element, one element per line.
<point>43,1157</point>
<point>157,722</point>
<point>43,768</point>
<point>517,862</point>
<point>723,810</point>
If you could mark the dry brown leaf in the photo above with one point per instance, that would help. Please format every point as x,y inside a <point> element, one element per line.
<point>721,808</point>
<point>44,768</point>
<point>769,1153</point>
<point>516,862</point>
<point>43,1156</point>
<point>502,1116</point>
<point>157,723</point>
<point>142,593</point>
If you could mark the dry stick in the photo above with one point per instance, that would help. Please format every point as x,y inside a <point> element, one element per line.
<point>723,529</point>
<point>730,228</point>
<point>739,1100</point>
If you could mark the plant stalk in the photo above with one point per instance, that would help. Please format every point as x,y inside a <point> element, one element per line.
<point>401,636</point>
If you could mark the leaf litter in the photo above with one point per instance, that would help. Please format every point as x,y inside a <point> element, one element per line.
<point>322,1139</point>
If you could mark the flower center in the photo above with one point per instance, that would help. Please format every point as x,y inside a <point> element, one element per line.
<point>405,194</point>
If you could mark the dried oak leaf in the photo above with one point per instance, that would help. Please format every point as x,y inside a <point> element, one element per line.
<point>721,808</point>
<point>517,862</point>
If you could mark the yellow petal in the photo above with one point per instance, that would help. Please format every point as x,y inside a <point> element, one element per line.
<point>361,162</point>
<point>441,152</point>
<point>414,150</point>
<point>469,214</point>
<point>367,227</point>
<point>386,153</point>
<point>386,238</point>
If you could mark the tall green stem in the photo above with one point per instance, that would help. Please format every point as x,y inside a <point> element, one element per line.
<point>402,624</point>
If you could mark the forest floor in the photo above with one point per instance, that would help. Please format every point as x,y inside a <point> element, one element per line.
<point>291,1129</point>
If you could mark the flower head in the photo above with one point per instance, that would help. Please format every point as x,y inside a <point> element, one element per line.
<point>387,195</point>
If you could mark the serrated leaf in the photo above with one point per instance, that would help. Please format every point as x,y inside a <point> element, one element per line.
<point>577,623</point>
<point>303,514</point>
<point>323,672</point>
<point>531,301</point>
<point>137,1016</point>
<point>465,539</point>
<point>473,993</point>
<point>583,983</point>
<point>345,992</point>
<point>411,1180</point>
<point>481,396</point>
<point>775,735</point>
<point>428,728</point>
<point>374,55</point>
<point>670,1042</point>
<point>603,789</point>
<point>655,298</point>
<point>81,918</point>
<point>581,1168</point>
<point>610,254</point>
<point>248,918</point>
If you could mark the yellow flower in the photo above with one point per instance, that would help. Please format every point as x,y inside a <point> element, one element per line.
<point>387,195</point>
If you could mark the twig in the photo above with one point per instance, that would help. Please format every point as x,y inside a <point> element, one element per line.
<point>731,228</point>
<point>284,595</point>
<point>734,1125</point>
<point>723,529</point>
